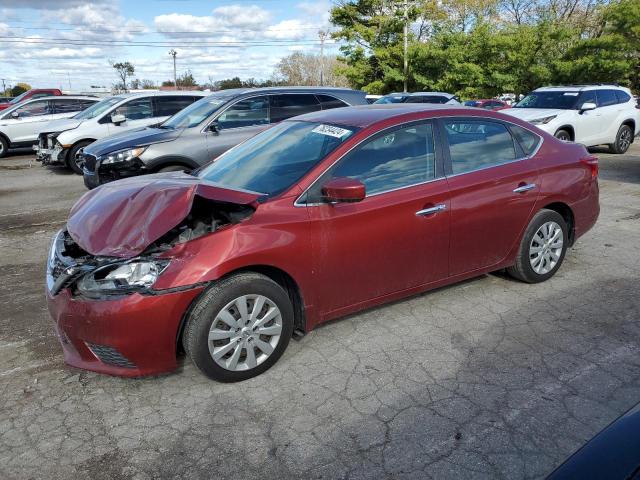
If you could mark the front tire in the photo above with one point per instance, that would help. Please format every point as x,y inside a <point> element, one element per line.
<point>563,135</point>
<point>623,140</point>
<point>239,327</point>
<point>542,249</point>
<point>4,147</point>
<point>74,162</point>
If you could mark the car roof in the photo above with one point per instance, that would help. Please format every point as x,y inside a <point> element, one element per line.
<point>410,94</point>
<point>60,97</point>
<point>367,115</point>
<point>580,88</point>
<point>336,91</point>
<point>163,93</point>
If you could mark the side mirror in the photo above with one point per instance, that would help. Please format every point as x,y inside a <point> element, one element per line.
<point>15,114</point>
<point>343,189</point>
<point>214,127</point>
<point>118,118</point>
<point>588,106</point>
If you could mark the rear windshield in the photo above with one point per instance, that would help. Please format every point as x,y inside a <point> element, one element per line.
<point>277,158</point>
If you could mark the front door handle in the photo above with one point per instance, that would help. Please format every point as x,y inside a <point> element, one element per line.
<point>524,188</point>
<point>431,210</point>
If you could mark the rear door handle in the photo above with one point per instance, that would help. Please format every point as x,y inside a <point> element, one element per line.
<point>524,188</point>
<point>431,210</point>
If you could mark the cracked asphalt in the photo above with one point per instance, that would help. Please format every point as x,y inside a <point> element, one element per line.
<point>489,378</point>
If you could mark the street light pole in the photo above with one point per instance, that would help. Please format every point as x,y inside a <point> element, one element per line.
<point>406,33</point>
<point>173,53</point>
<point>323,36</point>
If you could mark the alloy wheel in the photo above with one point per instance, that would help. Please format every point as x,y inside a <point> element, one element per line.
<point>625,140</point>
<point>78,158</point>
<point>546,248</point>
<point>245,332</point>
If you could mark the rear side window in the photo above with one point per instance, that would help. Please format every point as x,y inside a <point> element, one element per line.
<point>623,97</point>
<point>167,106</point>
<point>327,102</point>
<point>606,98</point>
<point>290,105</point>
<point>477,144</point>
<point>66,106</point>
<point>34,109</point>
<point>528,141</point>
<point>391,160</point>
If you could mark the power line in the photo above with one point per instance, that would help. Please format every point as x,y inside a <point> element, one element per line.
<point>115,29</point>
<point>163,43</point>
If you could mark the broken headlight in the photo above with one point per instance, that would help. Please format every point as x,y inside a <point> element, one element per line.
<point>122,277</point>
<point>122,155</point>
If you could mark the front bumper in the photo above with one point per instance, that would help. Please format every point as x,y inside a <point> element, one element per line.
<point>128,336</point>
<point>50,152</point>
<point>95,174</point>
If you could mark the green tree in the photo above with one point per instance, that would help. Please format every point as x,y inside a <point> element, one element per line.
<point>19,89</point>
<point>124,70</point>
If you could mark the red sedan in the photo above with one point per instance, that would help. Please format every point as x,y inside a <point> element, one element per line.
<point>488,104</point>
<point>317,217</point>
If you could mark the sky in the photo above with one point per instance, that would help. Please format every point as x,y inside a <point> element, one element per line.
<point>69,44</point>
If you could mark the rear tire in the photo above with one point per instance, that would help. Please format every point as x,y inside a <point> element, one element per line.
<point>623,140</point>
<point>4,147</point>
<point>542,249</point>
<point>73,162</point>
<point>225,340</point>
<point>563,135</point>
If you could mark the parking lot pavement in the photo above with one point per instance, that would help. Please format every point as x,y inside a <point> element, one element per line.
<point>490,378</point>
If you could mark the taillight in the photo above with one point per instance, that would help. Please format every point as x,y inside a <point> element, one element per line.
<point>592,162</point>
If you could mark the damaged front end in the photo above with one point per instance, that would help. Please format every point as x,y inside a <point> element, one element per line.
<point>96,270</point>
<point>48,149</point>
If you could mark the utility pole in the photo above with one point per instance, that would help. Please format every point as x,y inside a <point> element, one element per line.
<point>173,53</point>
<point>69,77</point>
<point>323,36</point>
<point>406,33</point>
<point>4,89</point>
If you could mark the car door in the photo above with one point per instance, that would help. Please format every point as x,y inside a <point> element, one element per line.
<point>609,109</point>
<point>241,120</point>
<point>493,190</point>
<point>138,113</point>
<point>398,236</point>
<point>31,116</point>
<point>588,126</point>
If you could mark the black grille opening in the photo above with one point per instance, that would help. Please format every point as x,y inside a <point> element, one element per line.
<point>110,356</point>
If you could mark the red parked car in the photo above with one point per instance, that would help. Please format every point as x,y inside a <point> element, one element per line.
<point>317,217</point>
<point>488,104</point>
<point>29,94</point>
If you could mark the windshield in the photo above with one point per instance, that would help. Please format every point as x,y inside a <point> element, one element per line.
<point>392,99</point>
<point>195,113</point>
<point>277,158</point>
<point>550,99</point>
<point>98,108</point>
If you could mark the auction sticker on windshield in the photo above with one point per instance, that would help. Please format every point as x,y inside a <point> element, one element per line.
<point>331,131</point>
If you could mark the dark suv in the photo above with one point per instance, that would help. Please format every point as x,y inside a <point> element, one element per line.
<point>205,129</point>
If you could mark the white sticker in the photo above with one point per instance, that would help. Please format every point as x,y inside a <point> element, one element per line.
<point>571,94</point>
<point>331,131</point>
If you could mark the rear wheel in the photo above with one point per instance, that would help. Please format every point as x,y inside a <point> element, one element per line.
<point>239,327</point>
<point>542,249</point>
<point>623,140</point>
<point>563,135</point>
<point>74,159</point>
<point>4,147</point>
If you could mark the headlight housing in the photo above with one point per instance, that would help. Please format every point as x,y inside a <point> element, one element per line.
<point>122,156</point>
<point>543,120</point>
<point>121,278</point>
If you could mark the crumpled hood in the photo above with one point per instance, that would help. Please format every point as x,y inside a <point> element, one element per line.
<point>532,113</point>
<point>60,125</point>
<point>131,139</point>
<point>121,219</point>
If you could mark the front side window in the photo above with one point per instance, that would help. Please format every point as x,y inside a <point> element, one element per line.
<point>477,144</point>
<point>167,106</point>
<point>137,109</point>
<point>291,105</point>
<point>34,109</point>
<point>245,113</point>
<point>565,100</point>
<point>98,108</point>
<point>588,96</point>
<point>390,160</point>
<point>277,158</point>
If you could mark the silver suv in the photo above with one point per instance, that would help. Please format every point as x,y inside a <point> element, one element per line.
<point>204,130</point>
